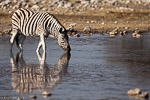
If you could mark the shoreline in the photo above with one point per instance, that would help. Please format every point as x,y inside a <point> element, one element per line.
<point>105,20</point>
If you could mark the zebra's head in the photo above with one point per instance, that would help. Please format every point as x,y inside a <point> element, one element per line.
<point>63,40</point>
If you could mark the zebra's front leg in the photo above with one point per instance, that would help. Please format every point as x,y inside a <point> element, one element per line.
<point>43,43</point>
<point>39,46</point>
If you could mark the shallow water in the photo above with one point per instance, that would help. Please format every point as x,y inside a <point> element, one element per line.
<point>99,67</point>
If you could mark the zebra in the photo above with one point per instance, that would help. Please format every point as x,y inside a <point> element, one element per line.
<point>28,23</point>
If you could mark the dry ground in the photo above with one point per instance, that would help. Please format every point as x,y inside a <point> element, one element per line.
<point>99,20</point>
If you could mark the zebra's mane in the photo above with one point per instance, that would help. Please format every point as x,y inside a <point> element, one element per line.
<point>63,28</point>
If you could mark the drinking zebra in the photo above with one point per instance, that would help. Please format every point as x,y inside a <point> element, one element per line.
<point>29,23</point>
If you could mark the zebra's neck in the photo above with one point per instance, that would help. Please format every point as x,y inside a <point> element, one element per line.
<point>53,26</point>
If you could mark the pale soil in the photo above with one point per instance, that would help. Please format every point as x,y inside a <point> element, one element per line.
<point>99,20</point>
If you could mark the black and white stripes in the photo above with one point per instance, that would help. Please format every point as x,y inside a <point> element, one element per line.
<point>29,23</point>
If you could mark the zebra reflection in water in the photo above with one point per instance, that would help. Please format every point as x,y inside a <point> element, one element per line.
<point>37,77</point>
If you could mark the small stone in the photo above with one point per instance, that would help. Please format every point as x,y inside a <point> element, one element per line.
<point>60,4</point>
<point>114,32</point>
<point>36,1</point>
<point>85,2</point>
<point>143,95</point>
<point>33,96</point>
<point>94,1</point>
<point>8,2</point>
<point>87,29</point>
<point>68,5</point>
<point>135,34</point>
<point>126,28</point>
<point>102,23</point>
<point>35,8</point>
<point>45,9</point>
<point>88,22</point>
<point>73,25</point>
<point>15,1</point>
<point>115,22</point>
<point>112,35</point>
<point>52,36</point>
<point>43,2</point>
<point>121,33</point>
<point>9,12</point>
<point>76,35</point>
<point>124,32</point>
<point>46,94</point>
<point>138,36</point>
<point>136,91</point>
<point>93,21</point>
<point>5,97</point>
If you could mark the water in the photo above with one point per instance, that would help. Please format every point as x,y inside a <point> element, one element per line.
<point>99,68</point>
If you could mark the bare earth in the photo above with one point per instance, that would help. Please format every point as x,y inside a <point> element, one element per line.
<point>102,20</point>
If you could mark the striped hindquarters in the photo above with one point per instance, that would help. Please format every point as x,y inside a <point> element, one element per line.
<point>20,17</point>
<point>32,23</point>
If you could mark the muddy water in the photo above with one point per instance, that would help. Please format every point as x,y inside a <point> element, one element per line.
<point>99,67</point>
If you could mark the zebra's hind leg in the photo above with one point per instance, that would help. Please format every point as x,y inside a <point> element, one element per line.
<point>14,34</point>
<point>42,39</point>
<point>20,39</point>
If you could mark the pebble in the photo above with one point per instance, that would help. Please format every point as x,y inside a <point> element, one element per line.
<point>76,35</point>
<point>114,32</point>
<point>136,91</point>
<point>94,1</point>
<point>87,29</point>
<point>36,1</point>
<point>8,2</point>
<point>5,97</point>
<point>45,9</point>
<point>46,94</point>
<point>35,7</point>
<point>143,95</point>
<point>124,32</point>
<point>126,28</point>
<point>84,2</point>
<point>135,34</point>
<point>73,25</point>
<point>102,23</point>
<point>60,4</point>
<point>121,33</point>
<point>68,5</point>
<point>33,96</point>
<point>138,36</point>
<point>112,35</point>
<point>115,22</point>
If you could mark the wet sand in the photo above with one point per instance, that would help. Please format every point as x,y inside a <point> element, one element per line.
<point>99,68</point>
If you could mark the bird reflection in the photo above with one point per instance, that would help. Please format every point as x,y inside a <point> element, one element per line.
<point>37,77</point>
